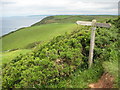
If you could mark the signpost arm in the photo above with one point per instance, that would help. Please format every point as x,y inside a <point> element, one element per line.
<point>92,43</point>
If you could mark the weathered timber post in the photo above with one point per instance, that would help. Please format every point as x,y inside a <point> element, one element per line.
<point>92,41</point>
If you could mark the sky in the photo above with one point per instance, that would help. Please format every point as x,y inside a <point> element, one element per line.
<point>58,7</point>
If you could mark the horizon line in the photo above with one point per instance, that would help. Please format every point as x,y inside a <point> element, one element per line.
<point>57,14</point>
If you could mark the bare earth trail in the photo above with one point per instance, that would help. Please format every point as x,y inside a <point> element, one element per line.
<point>106,81</point>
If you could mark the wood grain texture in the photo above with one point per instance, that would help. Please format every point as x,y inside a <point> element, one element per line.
<point>87,23</point>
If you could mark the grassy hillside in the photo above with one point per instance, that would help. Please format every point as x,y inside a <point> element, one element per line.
<point>7,56</point>
<point>74,18</point>
<point>22,38</point>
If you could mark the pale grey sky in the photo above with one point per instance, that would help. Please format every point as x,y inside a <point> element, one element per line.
<point>56,7</point>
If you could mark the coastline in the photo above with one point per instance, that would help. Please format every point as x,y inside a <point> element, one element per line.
<point>25,21</point>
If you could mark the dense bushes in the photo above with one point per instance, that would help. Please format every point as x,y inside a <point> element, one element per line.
<point>57,59</point>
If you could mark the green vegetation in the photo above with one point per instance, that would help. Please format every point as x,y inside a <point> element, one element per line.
<point>62,62</point>
<point>7,56</point>
<point>80,79</point>
<point>59,59</point>
<point>56,59</point>
<point>111,66</point>
<point>46,29</point>
<point>74,18</point>
<point>26,36</point>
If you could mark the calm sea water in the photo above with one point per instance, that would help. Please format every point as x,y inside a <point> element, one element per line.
<point>13,23</point>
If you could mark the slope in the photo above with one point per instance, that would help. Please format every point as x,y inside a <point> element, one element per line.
<point>23,37</point>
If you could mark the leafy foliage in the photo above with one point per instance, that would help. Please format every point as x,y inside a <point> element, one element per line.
<point>56,59</point>
<point>59,58</point>
<point>80,79</point>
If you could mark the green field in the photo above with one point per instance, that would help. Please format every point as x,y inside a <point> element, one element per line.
<point>7,56</point>
<point>23,37</point>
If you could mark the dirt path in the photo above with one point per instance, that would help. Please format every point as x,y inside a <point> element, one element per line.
<point>106,81</point>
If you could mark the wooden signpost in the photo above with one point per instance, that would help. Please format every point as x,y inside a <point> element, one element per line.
<point>94,25</point>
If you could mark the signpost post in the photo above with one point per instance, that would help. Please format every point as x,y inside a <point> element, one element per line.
<point>92,41</point>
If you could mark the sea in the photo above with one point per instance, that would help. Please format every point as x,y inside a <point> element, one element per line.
<point>9,24</point>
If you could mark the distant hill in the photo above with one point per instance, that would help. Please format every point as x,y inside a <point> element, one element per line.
<point>74,18</point>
